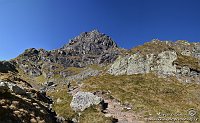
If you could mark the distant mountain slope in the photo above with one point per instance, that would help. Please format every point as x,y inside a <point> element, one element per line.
<point>130,85</point>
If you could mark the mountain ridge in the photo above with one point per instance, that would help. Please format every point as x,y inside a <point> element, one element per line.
<point>137,81</point>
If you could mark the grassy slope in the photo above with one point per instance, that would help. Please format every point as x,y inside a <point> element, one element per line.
<point>90,115</point>
<point>62,108</point>
<point>188,61</point>
<point>148,94</point>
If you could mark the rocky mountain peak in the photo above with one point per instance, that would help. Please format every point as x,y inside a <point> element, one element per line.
<point>86,49</point>
<point>91,74</point>
<point>31,51</point>
<point>91,41</point>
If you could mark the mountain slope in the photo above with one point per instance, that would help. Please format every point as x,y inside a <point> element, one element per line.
<point>132,85</point>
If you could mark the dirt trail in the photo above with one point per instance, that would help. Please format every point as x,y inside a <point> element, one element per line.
<point>116,110</point>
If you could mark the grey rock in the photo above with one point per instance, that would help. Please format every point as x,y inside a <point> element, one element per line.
<point>165,62</point>
<point>7,86</point>
<point>119,67</point>
<point>83,100</point>
<point>136,64</point>
<point>83,75</point>
<point>6,66</point>
<point>194,73</point>
<point>186,53</point>
<point>86,49</point>
<point>185,70</point>
<point>16,89</point>
<point>3,87</point>
<point>58,100</point>
<point>139,65</point>
<point>50,83</point>
<point>35,72</point>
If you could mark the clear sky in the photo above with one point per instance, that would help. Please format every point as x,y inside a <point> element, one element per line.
<point>49,24</point>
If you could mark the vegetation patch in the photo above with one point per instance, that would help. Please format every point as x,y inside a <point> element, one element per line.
<point>92,115</point>
<point>62,107</point>
<point>147,93</point>
<point>40,79</point>
<point>189,61</point>
<point>154,47</point>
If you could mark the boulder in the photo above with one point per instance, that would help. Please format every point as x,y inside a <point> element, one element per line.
<point>3,87</point>
<point>131,64</point>
<point>165,62</point>
<point>7,86</point>
<point>137,64</point>
<point>6,66</point>
<point>35,72</point>
<point>50,83</point>
<point>83,100</point>
<point>119,67</point>
<point>16,89</point>
<point>82,75</point>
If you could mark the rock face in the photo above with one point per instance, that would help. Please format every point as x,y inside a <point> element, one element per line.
<point>180,59</point>
<point>72,66</point>
<point>16,105</point>
<point>165,62</point>
<point>16,89</point>
<point>86,49</point>
<point>83,100</point>
<point>136,64</point>
<point>3,87</point>
<point>83,75</point>
<point>6,66</point>
<point>92,44</point>
<point>7,86</point>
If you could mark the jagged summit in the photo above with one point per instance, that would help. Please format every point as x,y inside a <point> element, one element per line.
<point>93,40</point>
<point>93,70</point>
<point>86,49</point>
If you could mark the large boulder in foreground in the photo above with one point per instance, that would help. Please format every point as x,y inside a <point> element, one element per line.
<point>83,100</point>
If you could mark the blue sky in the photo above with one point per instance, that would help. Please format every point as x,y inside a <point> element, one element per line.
<point>49,24</point>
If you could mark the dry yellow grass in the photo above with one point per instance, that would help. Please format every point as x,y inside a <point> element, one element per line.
<point>147,93</point>
<point>188,61</point>
<point>62,108</point>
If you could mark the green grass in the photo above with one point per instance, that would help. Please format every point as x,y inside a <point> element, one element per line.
<point>63,108</point>
<point>40,79</point>
<point>151,47</point>
<point>148,94</point>
<point>92,115</point>
<point>74,70</point>
<point>96,67</point>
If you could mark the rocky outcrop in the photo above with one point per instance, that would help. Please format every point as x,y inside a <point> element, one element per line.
<point>83,100</point>
<point>71,66</point>
<point>83,75</point>
<point>180,59</point>
<point>6,66</point>
<point>91,43</point>
<point>3,87</point>
<point>165,61</point>
<point>7,86</point>
<point>16,89</point>
<point>131,64</point>
<point>136,64</point>
<point>22,105</point>
<point>86,49</point>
